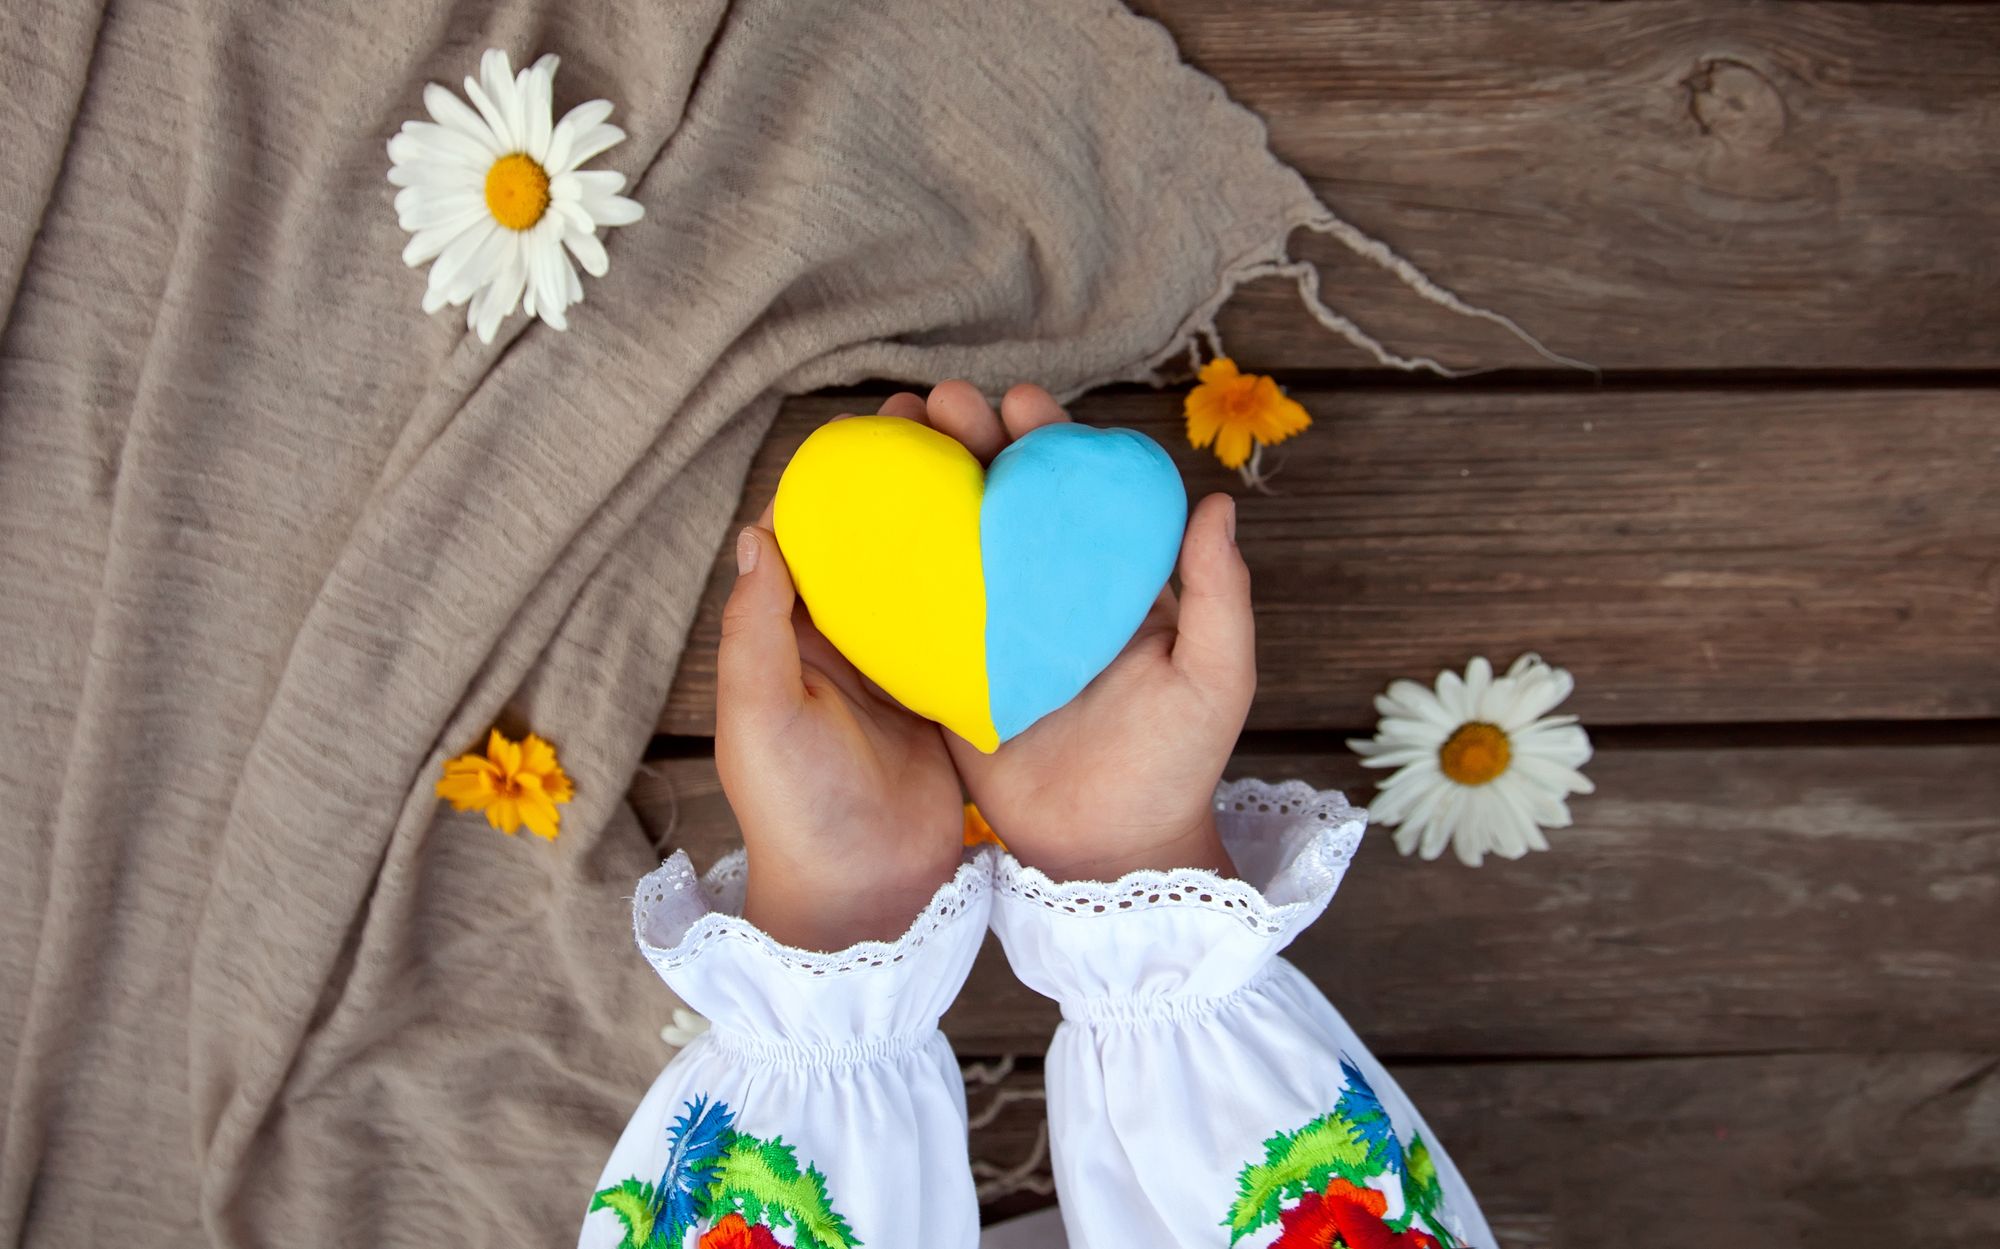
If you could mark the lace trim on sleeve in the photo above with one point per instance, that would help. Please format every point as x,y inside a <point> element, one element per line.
<point>675,917</point>
<point>1316,833</point>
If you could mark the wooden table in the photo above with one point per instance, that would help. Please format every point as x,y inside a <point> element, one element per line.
<point>1752,998</point>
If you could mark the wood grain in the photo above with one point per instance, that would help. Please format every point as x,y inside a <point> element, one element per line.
<point>1694,556</point>
<point>1756,899</point>
<point>1822,1151</point>
<point>1680,185</point>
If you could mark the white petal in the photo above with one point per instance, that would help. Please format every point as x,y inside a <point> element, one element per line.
<point>545,262</point>
<point>1553,776</point>
<point>483,269</point>
<point>1451,695</point>
<point>570,279</point>
<point>1569,746</point>
<point>438,176</point>
<point>419,208</point>
<point>1445,822</point>
<point>615,210</point>
<point>495,119</point>
<point>585,184</point>
<point>1540,693</point>
<point>1478,680</point>
<point>424,142</point>
<point>429,244</point>
<point>512,280</point>
<point>505,88</point>
<point>574,219</point>
<point>455,114</point>
<point>433,299</point>
<point>1412,699</point>
<point>538,103</point>
<point>591,142</point>
<point>456,258</point>
<point>588,114</point>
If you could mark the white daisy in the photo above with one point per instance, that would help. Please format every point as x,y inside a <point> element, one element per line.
<point>494,196</point>
<point>1479,762</point>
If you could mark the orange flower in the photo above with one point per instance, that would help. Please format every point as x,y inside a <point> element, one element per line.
<point>977,830</point>
<point>1233,410</point>
<point>514,783</point>
<point>733,1232</point>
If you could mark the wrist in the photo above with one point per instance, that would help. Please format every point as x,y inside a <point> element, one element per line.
<point>820,909</point>
<point>1198,845</point>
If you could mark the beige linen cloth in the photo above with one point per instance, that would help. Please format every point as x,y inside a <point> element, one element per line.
<point>273,543</point>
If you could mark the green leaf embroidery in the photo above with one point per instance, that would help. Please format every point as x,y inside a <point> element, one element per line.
<point>762,1179</point>
<point>1421,1193</point>
<point>632,1201</point>
<point>1295,1163</point>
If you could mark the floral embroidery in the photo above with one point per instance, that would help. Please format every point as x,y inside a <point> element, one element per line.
<point>736,1185</point>
<point>1323,1171</point>
<point>734,1233</point>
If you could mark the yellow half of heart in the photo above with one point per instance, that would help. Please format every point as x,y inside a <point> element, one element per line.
<point>878,518</point>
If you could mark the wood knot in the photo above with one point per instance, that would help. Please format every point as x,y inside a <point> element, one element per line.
<point>1733,101</point>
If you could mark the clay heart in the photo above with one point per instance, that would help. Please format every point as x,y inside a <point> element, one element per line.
<point>982,599</point>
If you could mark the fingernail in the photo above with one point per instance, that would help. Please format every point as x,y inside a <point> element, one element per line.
<point>1229,520</point>
<point>746,552</point>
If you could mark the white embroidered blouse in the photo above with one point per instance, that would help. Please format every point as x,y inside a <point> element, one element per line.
<point>1201,1091</point>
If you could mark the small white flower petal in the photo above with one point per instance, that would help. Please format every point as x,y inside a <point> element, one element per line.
<point>434,300</point>
<point>418,208</point>
<point>428,244</point>
<point>1444,822</point>
<point>1417,701</point>
<point>615,211</point>
<point>455,114</point>
<point>429,143</point>
<point>1553,776</point>
<point>590,143</point>
<point>438,176</point>
<point>538,100</point>
<point>488,109</point>
<point>505,88</point>
<point>457,257</point>
<point>1478,680</point>
<point>587,184</point>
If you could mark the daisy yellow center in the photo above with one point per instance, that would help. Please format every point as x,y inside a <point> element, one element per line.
<point>1475,754</point>
<point>517,191</point>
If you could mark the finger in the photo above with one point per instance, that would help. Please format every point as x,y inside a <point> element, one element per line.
<point>957,408</point>
<point>906,405</point>
<point>1217,646</point>
<point>1028,407</point>
<point>758,678</point>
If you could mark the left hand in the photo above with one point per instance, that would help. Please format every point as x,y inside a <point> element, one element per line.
<point>849,806</point>
<point>1123,776</point>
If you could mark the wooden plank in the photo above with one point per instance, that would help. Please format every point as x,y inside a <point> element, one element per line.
<point>1707,900</point>
<point>1690,184</point>
<point>1692,555</point>
<point>1822,1151</point>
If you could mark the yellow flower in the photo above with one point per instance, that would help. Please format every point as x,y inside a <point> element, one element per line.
<point>977,830</point>
<point>1233,409</point>
<point>514,783</point>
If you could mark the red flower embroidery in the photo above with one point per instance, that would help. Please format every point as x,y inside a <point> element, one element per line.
<point>733,1233</point>
<point>1345,1216</point>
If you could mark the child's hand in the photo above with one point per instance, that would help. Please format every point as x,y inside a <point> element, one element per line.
<point>849,805</point>
<point>1124,776</point>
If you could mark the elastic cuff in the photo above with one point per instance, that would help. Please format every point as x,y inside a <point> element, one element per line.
<point>771,997</point>
<point>1156,942</point>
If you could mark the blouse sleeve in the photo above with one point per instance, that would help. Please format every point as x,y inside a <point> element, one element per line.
<point>1201,1090</point>
<point>822,1108</point>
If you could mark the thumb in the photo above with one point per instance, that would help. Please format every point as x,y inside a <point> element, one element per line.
<point>1217,644</point>
<point>757,666</point>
